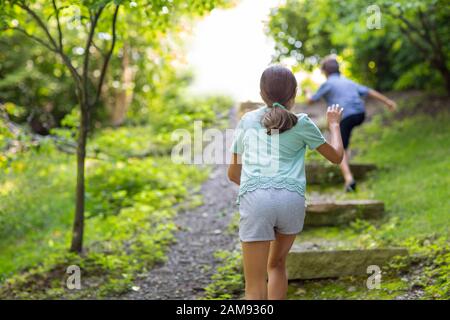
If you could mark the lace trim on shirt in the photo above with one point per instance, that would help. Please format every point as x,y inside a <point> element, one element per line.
<point>254,183</point>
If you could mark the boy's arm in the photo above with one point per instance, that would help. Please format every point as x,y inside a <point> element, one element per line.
<point>309,101</point>
<point>323,90</point>
<point>308,95</point>
<point>382,98</point>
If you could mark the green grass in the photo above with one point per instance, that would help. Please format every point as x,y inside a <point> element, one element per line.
<point>414,183</point>
<point>33,221</point>
<point>352,288</point>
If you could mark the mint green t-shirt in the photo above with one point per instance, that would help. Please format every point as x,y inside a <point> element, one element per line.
<point>273,161</point>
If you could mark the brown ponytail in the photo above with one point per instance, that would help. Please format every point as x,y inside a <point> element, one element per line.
<point>278,87</point>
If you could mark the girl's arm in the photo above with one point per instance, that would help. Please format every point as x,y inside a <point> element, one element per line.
<point>234,170</point>
<point>333,151</point>
<point>382,98</point>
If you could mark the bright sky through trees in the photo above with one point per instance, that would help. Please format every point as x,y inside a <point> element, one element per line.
<point>229,50</point>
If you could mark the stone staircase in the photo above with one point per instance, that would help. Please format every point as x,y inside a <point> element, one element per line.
<point>333,258</point>
<point>322,258</point>
<point>305,264</point>
<point>333,213</point>
<point>318,173</point>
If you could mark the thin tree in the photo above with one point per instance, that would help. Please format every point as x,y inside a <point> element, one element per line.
<point>88,92</point>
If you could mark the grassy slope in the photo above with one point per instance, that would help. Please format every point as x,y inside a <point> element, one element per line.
<point>415,153</point>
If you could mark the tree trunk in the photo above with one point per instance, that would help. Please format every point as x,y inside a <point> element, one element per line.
<point>441,67</point>
<point>123,96</point>
<point>78,224</point>
<point>446,75</point>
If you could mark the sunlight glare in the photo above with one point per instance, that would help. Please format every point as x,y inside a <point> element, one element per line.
<point>230,50</point>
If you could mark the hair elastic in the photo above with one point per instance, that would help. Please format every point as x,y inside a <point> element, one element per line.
<point>279,105</point>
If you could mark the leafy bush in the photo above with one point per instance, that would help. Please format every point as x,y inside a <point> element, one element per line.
<point>228,281</point>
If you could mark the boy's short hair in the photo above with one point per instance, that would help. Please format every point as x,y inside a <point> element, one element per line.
<point>329,65</point>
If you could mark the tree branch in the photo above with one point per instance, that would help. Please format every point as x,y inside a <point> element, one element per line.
<point>408,33</point>
<point>39,40</point>
<point>58,24</point>
<point>52,46</point>
<point>440,52</point>
<point>419,46</point>
<point>94,20</point>
<point>410,25</point>
<point>98,49</point>
<point>40,23</point>
<point>108,56</point>
<point>426,29</point>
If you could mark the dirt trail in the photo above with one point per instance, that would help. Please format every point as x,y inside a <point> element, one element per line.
<point>203,231</point>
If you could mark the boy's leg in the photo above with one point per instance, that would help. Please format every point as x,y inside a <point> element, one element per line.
<point>345,168</point>
<point>347,125</point>
<point>276,267</point>
<point>255,256</point>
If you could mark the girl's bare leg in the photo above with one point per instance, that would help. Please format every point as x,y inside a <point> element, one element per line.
<point>255,261</point>
<point>276,267</point>
<point>345,168</point>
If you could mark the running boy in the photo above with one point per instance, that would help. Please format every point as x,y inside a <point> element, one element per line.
<point>348,94</point>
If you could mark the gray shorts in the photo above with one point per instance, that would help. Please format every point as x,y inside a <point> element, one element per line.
<point>264,211</point>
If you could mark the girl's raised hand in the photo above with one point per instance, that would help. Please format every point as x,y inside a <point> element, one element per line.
<point>334,113</point>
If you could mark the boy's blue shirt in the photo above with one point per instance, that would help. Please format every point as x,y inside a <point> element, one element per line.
<point>340,90</point>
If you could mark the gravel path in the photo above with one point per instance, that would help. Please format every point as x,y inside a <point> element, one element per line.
<point>202,231</point>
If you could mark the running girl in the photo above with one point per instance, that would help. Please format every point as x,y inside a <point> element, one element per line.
<point>268,162</point>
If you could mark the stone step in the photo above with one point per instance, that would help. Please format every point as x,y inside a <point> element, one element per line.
<point>342,212</point>
<point>317,173</point>
<point>317,264</point>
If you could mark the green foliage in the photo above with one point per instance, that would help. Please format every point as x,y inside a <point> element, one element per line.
<point>130,211</point>
<point>427,266</point>
<point>228,281</point>
<point>233,227</point>
<point>398,54</point>
<point>31,77</point>
<point>29,209</point>
<point>122,183</point>
<point>347,288</point>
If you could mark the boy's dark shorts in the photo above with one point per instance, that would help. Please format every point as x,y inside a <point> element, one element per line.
<point>347,125</point>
